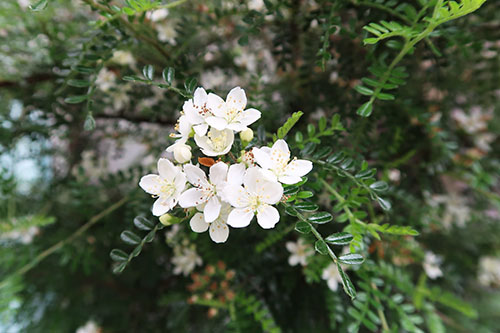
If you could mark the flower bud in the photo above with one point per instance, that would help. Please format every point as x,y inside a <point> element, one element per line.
<point>167,219</point>
<point>182,153</point>
<point>246,135</point>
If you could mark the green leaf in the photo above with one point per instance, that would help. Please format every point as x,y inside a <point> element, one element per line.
<point>351,259</point>
<point>120,267</point>
<point>128,11</point>
<point>190,85</point>
<point>130,238</point>
<point>379,186</point>
<point>303,227</point>
<point>118,255</point>
<point>290,190</point>
<point>143,223</point>
<point>89,123</point>
<point>335,158</point>
<point>137,251</point>
<point>291,211</point>
<point>320,218</point>
<point>340,238</point>
<point>304,194</point>
<point>40,5</point>
<point>346,282</point>
<point>321,247</point>
<point>148,72</point>
<point>364,90</point>
<point>287,126</point>
<point>150,236</point>
<point>84,69</point>
<point>75,99</point>
<point>132,78</point>
<point>386,205</point>
<point>79,83</point>
<point>168,75</point>
<point>366,109</point>
<point>306,206</point>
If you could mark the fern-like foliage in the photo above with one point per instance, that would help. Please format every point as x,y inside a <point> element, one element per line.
<point>416,28</point>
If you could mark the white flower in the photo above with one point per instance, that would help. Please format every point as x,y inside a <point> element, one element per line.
<point>275,161</point>
<point>168,186</point>
<point>256,4</point>
<point>22,236</point>
<point>431,265</point>
<point>89,327</point>
<point>197,110</point>
<point>166,31</point>
<point>105,79</point>
<point>123,58</point>
<point>216,142</point>
<point>483,140</point>
<point>157,15</point>
<point>300,251</point>
<point>332,276</point>
<point>473,122</point>
<point>489,271</point>
<point>456,209</point>
<point>255,198</point>
<point>204,190</point>
<point>182,152</point>
<point>231,114</point>
<point>185,260</point>
<point>183,128</point>
<point>219,231</point>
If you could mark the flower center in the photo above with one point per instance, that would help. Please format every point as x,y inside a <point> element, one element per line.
<point>280,160</point>
<point>217,141</point>
<point>166,188</point>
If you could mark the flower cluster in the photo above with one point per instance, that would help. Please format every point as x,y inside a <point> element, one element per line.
<point>236,188</point>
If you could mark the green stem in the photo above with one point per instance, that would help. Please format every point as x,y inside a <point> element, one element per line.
<point>341,199</point>
<point>381,315</point>
<point>61,243</point>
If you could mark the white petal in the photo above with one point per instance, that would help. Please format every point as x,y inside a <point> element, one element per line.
<point>236,195</point>
<point>201,129</point>
<point>191,198</point>
<point>236,99</point>
<point>270,192</point>
<point>240,217</point>
<point>236,173</point>
<point>291,247</point>
<point>219,231</point>
<point>236,126</point>
<point>289,179</point>
<point>200,96</point>
<point>333,284</point>
<point>252,178</point>
<point>191,113</point>
<point>267,216</point>
<point>250,116</point>
<point>269,175</point>
<point>293,260</point>
<point>150,184</point>
<point>216,105</point>
<point>281,145</point>
<point>180,182</point>
<point>218,173</point>
<point>212,209</point>
<point>217,122</point>
<point>298,168</point>
<point>160,206</point>
<point>198,223</point>
<point>196,176</point>
<point>167,169</point>
<point>262,158</point>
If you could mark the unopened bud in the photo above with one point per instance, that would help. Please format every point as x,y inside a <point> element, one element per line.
<point>182,153</point>
<point>167,219</point>
<point>246,135</point>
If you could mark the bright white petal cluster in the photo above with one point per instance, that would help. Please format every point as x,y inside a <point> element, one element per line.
<point>167,186</point>
<point>276,163</point>
<point>231,194</point>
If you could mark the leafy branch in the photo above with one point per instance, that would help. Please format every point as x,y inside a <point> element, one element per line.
<point>442,13</point>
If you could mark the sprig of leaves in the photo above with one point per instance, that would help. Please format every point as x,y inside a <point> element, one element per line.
<point>120,257</point>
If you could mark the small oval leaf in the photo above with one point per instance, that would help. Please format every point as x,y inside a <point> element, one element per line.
<point>320,218</point>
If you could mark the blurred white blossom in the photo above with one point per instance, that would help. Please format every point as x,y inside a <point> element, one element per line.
<point>299,252</point>
<point>489,271</point>
<point>432,264</point>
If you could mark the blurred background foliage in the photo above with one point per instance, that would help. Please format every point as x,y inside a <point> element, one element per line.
<point>75,138</point>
